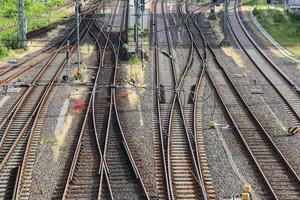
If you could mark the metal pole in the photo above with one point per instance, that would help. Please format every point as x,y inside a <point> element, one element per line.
<point>68,53</point>
<point>225,29</point>
<point>78,39</point>
<point>225,20</point>
<point>142,7</point>
<point>212,10</point>
<point>136,27</point>
<point>22,24</point>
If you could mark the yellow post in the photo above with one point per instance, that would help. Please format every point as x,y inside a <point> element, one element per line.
<point>212,124</point>
<point>245,196</point>
<point>246,188</point>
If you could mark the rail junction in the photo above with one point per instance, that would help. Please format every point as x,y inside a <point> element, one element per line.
<point>140,101</point>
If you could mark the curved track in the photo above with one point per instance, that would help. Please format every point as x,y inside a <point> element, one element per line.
<point>41,57</point>
<point>116,174</point>
<point>24,129</point>
<point>280,82</point>
<point>179,173</point>
<point>281,180</point>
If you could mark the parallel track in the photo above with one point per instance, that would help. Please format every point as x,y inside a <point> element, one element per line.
<point>196,108</point>
<point>41,57</point>
<point>117,176</point>
<point>280,82</point>
<point>84,172</point>
<point>177,152</point>
<point>22,152</point>
<point>279,177</point>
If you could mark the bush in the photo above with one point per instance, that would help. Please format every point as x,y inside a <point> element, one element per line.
<point>294,17</point>
<point>9,10</point>
<point>278,17</point>
<point>37,14</point>
<point>134,61</point>
<point>250,2</point>
<point>3,51</point>
<point>259,15</point>
<point>10,39</point>
<point>256,12</point>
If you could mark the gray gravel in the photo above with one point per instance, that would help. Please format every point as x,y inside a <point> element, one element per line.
<point>139,135</point>
<point>287,65</point>
<point>266,106</point>
<point>54,159</point>
<point>226,181</point>
<point>261,105</point>
<point>50,169</point>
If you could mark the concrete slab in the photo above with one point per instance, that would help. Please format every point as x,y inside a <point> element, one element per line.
<point>3,100</point>
<point>13,90</point>
<point>62,117</point>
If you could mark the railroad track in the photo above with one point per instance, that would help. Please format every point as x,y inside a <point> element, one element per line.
<point>122,178</point>
<point>117,176</point>
<point>178,171</point>
<point>13,72</point>
<point>159,136</point>
<point>41,57</point>
<point>280,179</point>
<point>84,171</point>
<point>21,124</point>
<point>19,142</point>
<point>195,115</point>
<point>286,89</point>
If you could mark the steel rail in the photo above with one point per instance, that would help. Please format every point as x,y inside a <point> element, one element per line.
<point>198,85</point>
<point>24,97</point>
<point>281,74</point>
<point>113,108</point>
<point>62,43</point>
<point>176,100</point>
<point>228,111</point>
<point>90,108</point>
<point>101,65</point>
<point>103,168</point>
<point>265,134</point>
<point>113,90</point>
<point>158,106</point>
<point>39,110</point>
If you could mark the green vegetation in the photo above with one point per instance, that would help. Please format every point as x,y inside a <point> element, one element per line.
<point>283,26</point>
<point>135,61</point>
<point>130,34</point>
<point>42,140</point>
<point>38,14</point>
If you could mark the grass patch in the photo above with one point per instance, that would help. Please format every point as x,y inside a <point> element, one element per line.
<point>42,140</point>
<point>284,27</point>
<point>136,82</point>
<point>236,57</point>
<point>136,73</point>
<point>38,15</point>
<point>130,35</point>
<point>135,61</point>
